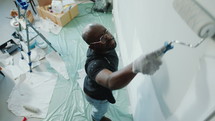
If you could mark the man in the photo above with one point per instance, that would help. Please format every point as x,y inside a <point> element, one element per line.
<point>101,68</point>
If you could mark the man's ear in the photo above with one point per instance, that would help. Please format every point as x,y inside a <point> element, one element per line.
<point>91,46</point>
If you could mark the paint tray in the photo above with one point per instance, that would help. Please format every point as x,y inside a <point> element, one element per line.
<point>9,47</point>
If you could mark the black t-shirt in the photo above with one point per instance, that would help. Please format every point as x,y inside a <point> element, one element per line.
<point>94,64</point>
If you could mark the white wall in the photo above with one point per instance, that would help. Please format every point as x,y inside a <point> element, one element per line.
<point>143,26</point>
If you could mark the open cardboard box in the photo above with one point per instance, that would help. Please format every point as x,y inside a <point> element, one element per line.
<point>60,19</point>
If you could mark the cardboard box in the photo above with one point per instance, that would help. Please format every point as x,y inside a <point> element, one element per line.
<point>44,2</point>
<point>60,19</point>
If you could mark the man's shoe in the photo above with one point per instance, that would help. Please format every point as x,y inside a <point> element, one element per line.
<point>105,119</point>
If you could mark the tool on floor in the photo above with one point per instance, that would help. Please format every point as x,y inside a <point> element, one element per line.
<point>24,119</point>
<point>31,109</point>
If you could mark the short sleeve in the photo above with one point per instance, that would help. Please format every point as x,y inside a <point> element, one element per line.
<point>95,67</point>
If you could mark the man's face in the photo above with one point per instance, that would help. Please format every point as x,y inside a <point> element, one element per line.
<point>105,41</point>
<point>108,39</point>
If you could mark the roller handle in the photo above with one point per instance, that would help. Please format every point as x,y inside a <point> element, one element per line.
<point>168,46</point>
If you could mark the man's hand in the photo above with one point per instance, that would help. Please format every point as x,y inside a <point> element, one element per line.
<point>150,63</point>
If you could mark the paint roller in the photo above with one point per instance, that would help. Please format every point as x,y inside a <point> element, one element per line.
<point>196,18</point>
<point>31,109</point>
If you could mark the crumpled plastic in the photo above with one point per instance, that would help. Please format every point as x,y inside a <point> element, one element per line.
<point>33,90</point>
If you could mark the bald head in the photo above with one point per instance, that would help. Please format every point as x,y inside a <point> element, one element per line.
<point>93,32</point>
<point>98,38</point>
